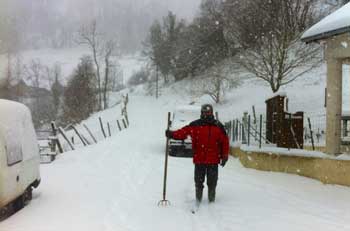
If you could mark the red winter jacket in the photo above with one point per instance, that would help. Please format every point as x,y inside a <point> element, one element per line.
<point>210,143</point>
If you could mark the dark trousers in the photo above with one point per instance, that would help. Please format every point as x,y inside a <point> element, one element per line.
<point>209,170</point>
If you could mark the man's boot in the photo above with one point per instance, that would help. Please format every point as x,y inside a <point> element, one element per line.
<point>199,194</point>
<point>211,194</point>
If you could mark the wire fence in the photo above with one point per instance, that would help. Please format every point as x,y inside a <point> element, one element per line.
<point>251,130</point>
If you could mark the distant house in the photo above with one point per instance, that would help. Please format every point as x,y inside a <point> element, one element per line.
<point>39,100</point>
<point>21,89</point>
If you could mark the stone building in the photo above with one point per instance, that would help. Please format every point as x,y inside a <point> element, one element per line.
<point>333,32</point>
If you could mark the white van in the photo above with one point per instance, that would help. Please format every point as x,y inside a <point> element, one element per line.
<point>19,156</point>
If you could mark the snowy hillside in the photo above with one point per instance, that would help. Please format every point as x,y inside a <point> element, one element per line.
<point>116,184</point>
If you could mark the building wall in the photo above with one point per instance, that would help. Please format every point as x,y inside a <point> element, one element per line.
<point>338,47</point>
<point>337,52</point>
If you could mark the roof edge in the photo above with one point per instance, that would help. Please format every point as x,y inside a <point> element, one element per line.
<point>325,35</point>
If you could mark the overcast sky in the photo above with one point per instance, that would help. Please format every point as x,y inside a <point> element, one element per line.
<point>183,8</point>
<point>42,23</point>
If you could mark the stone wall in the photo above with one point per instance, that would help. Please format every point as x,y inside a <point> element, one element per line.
<point>328,171</point>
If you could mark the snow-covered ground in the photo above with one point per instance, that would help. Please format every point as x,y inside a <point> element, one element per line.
<point>116,184</point>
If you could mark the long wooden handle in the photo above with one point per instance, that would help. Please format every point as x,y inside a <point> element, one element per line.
<point>166,160</point>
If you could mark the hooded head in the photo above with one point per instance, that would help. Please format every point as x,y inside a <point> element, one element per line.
<point>207,112</point>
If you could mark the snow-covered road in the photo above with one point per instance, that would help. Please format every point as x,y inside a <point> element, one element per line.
<point>116,184</point>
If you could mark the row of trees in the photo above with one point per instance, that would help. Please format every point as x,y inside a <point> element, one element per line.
<point>261,36</point>
<point>40,87</point>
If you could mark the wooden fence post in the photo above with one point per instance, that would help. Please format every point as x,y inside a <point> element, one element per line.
<point>248,130</point>
<point>244,127</point>
<point>260,131</point>
<point>78,134</point>
<point>254,115</point>
<point>241,132</point>
<point>233,130</point>
<point>86,140</point>
<point>237,130</point>
<point>311,134</point>
<point>228,128</point>
<point>109,129</point>
<point>90,133</point>
<point>124,123</point>
<point>127,118</point>
<point>66,138</point>
<point>120,128</point>
<point>56,140</point>
<point>290,126</point>
<point>102,129</point>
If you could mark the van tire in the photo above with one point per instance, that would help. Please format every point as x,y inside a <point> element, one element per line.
<point>18,204</point>
<point>28,195</point>
<point>3,213</point>
<point>36,183</point>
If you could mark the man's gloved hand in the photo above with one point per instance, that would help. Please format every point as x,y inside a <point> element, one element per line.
<point>223,162</point>
<point>168,134</point>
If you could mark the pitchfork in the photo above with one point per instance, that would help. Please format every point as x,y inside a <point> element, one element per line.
<point>165,202</point>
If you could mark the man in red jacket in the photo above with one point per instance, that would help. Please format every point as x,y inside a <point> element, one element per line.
<point>210,146</point>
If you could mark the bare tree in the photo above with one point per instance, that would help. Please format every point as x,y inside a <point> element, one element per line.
<point>217,80</point>
<point>267,33</point>
<point>34,73</point>
<point>110,46</point>
<point>100,48</point>
<point>90,36</point>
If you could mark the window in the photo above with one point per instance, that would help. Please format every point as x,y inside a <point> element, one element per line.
<point>13,150</point>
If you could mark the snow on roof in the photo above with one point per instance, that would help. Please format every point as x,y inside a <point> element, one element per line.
<point>279,93</point>
<point>185,114</point>
<point>336,23</point>
<point>12,108</point>
<point>12,114</point>
<point>193,108</point>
